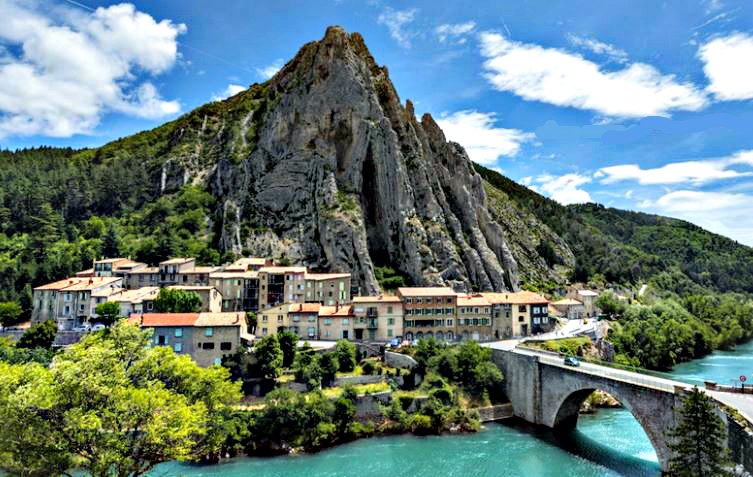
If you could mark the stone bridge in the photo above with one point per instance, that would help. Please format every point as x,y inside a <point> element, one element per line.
<point>545,391</point>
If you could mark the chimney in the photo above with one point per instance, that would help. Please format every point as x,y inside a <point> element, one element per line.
<point>91,281</point>
<point>337,305</point>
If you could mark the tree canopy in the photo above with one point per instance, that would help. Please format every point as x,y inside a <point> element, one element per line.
<point>175,300</point>
<point>112,406</point>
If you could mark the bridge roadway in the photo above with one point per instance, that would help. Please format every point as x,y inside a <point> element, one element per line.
<point>544,390</point>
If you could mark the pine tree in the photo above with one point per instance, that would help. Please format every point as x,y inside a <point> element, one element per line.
<point>698,448</point>
<point>110,242</point>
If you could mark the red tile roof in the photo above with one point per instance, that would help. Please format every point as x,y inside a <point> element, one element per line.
<point>168,319</point>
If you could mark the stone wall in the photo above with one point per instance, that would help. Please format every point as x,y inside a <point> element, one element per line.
<point>495,413</point>
<point>740,443</point>
<point>364,379</point>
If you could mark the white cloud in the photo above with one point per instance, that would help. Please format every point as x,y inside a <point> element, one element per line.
<point>73,67</point>
<point>692,172</point>
<point>566,79</point>
<point>564,189</point>
<point>721,212</point>
<point>476,132</point>
<point>395,21</point>
<point>454,32</point>
<point>231,90</point>
<point>599,47</point>
<point>270,70</point>
<point>728,64</point>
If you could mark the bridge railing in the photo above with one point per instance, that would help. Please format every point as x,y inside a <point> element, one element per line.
<point>645,377</point>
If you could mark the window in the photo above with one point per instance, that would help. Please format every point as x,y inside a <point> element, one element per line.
<point>264,332</point>
<point>345,321</point>
<point>449,322</point>
<point>409,300</point>
<point>178,332</point>
<point>217,361</point>
<point>522,308</point>
<point>521,319</point>
<point>207,345</point>
<point>178,347</point>
<point>208,331</point>
<point>536,320</point>
<point>264,318</point>
<point>279,318</point>
<point>389,332</point>
<point>296,318</point>
<point>419,301</point>
<point>226,346</point>
<point>389,310</point>
<point>390,321</point>
<point>161,340</point>
<point>311,332</point>
<point>328,321</point>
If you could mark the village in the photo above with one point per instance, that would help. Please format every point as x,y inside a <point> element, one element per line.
<point>316,307</point>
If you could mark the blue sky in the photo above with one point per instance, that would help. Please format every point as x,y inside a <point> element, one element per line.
<point>639,105</point>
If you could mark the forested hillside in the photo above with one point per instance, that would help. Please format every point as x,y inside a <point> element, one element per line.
<point>632,247</point>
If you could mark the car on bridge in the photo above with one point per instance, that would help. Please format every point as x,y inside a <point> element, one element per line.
<point>572,361</point>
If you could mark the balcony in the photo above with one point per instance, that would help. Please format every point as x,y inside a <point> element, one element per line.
<point>372,324</point>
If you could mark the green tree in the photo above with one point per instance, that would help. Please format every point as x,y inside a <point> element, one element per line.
<point>268,356</point>
<point>171,300</point>
<point>699,439</point>
<point>41,335</point>
<point>113,406</point>
<point>609,304</point>
<point>108,312</point>
<point>288,343</point>
<point>251,322</point>
<point>346,355</point>
<point>10,313</point>
<point>329,364</point>
<point>307,366</point>
<point>111,242</point>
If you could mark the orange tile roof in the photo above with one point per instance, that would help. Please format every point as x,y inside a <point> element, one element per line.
<point>426,291</point>
<point>89,272</point>
<point>330,311</point>
<point>177,261</point>
<point>277,269</point>
<point>326,276</point>
<point>228,318</point>
<point>304,308</point>
<point>567,302</point>
<point>516,298</point>
<point>245,262</point>
<point>234,274</point>
<point>168,319</point>
<point>199,269</point>
<point>79,283</point>
<point>473,300</point>
<point>145,270</point>
<point>376,299</point>
<point>112,260</point>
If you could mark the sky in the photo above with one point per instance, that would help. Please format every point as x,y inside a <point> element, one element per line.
<point>640,105</point>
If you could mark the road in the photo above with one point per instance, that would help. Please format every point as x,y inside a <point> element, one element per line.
<point>742,402</point>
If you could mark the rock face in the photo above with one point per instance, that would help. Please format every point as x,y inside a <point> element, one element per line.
<point>324,165</point>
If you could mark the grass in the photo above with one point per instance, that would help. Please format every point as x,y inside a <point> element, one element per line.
<point>568,346</point>
<point>360,389</point>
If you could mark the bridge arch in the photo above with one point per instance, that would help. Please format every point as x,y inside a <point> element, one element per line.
<point>568,411</point>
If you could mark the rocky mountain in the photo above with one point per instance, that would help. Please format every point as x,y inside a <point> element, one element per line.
<point>324,165</point>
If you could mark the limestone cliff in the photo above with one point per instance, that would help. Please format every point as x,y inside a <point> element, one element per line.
<point>324,165</point>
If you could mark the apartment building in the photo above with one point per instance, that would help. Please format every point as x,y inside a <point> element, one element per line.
<point>336,322</point>
<point>206,337</point>
<point>428,312</point>
<point>588,298</point>
<point>327,288</point>
<point>519,314</point>
<point>142,277</point>
<point>72,301</point>
<point>303,320</point>
<point>278,285</point>
<point>239,289</point>
<point>474,318</point>
<point>271,321</point>
<point>137,301</point>
<point>169,270</point>
<point>377,318</point>
<point>570,308</point>
<point>211,298</point>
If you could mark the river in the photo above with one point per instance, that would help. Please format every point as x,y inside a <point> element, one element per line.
<point>608,443</point>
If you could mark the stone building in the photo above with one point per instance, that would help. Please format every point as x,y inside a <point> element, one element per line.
<point>377,318</point>
<point>428,312</point>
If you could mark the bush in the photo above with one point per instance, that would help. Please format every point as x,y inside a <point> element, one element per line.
<point>368,367</point>
<point>41,335</point>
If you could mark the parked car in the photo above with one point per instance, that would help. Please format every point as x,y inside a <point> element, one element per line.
<point>572,361</point>
<point>98,327</point>
<point>84,328</point>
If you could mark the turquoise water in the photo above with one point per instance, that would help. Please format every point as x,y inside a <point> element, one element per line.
<point>608,443</point>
